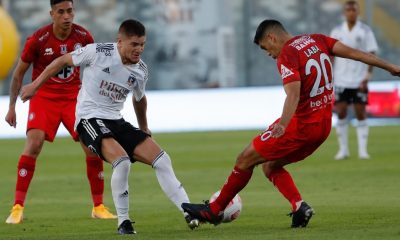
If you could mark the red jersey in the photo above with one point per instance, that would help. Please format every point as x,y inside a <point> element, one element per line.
<point>307,58</point>
<point>43,47</point>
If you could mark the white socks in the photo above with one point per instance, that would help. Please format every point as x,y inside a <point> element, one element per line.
<point>168,181</point>
<point>342,127</point>
<point>120,187</point>
<point>362,137</point>
<point>165,176</point>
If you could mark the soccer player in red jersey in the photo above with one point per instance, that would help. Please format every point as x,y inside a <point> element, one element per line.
<point>304,63</point>
<point>53,104</point>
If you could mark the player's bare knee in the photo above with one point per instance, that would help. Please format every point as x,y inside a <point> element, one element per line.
<point>33,147</point>
<point>267,169</point>
<point>245,162</point>
<point>362,115</point>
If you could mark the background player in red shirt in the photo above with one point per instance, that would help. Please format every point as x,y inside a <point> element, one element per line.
<point>54,103</point>
<point>306,70</point>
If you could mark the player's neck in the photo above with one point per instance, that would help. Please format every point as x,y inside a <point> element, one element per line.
<point>286,38</point>
<point>350,24</point>
<point>60,33</point>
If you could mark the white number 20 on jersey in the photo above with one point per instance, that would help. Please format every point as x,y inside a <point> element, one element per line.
<point>320,67</point>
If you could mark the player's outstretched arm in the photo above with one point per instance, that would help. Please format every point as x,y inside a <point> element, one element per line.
<point>141,113</point>
<point>16,83</point>
<point>341,50</point>
<point>59,63</point>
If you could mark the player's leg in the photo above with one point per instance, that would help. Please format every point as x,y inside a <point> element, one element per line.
<point>342,126</point>
<point>283,181</point>
<point>302,141</point>
<point>236,181</point>
<point>94,172</point>
<point>94,165</point>
<point>121,164</point>
<point>26,168</point>
<point>40,126</point>
<point>103,143</point>
<point>360,103</point>
<point>150,153</point>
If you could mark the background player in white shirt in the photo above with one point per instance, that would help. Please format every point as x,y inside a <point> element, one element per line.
<point>351,79</point>
<point>111,71</point>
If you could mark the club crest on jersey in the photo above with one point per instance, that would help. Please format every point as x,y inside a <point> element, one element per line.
<point>131,80</point>
<point>77,46</point>
<point>285,72</point>
<point>31,116</point>
<point>63,49</point>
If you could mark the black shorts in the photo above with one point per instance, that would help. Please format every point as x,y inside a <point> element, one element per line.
<point>351,95</point>
<point>92,131</point>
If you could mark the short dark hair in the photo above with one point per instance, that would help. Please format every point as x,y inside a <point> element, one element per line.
<point>131,28</point>
<point>54,2</point>
<point>266,26</point>
<point>350,2</point>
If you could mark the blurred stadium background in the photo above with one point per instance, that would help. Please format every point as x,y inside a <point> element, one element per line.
<point>208,43</point>
<point>204,44</point>
<point>197,45</point>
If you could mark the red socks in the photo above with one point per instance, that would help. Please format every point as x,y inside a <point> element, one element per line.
<point>235,183</point>
<point>26,168</point>
<point>94,171</point>
<point>284,183</point>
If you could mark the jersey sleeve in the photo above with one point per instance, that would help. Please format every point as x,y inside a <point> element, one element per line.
<point>329,41</point>
<point>84,55</point>
<point>31,51</point>
<point>288,66</point>
<point>371,45</point>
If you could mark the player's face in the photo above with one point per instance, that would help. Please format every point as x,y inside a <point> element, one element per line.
<point>351,12</point>
<point>63,15</point>
<point>132,48</point>
<point>270,45</point>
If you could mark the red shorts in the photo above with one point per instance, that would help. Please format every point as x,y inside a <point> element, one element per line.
<point>47,114</point>
<point>299,141</point>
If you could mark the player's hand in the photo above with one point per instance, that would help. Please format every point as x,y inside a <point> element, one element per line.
<point>11,117</point>
<point>27,92</point>
<point>277,130</point>
<point>395,71</point>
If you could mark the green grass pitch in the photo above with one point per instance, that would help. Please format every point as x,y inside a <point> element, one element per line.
<point>353,199</point>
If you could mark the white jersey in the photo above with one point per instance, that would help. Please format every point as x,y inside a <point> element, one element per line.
<point>349,73</point>
<point>106,81</point>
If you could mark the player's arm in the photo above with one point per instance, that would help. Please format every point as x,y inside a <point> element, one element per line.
<point>16,83</point>
<point>292,90</point>
<point>141,113</point>
<point>341,50</point>
<point>59,63</point>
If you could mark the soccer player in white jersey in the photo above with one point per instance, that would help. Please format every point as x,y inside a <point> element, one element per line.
<point>111,71</point>
<point>351,79</point>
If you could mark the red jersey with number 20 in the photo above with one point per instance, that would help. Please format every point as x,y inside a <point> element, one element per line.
<point>307,58</point>
<point>43,47</point>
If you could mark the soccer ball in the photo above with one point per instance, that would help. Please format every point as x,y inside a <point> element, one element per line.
<point>232,211</point>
